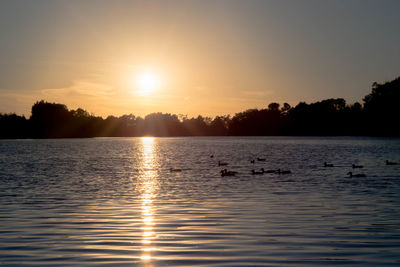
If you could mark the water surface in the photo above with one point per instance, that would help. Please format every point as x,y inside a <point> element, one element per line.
<point>114,201</point>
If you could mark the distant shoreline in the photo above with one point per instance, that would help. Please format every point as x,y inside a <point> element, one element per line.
<point>208,136</point>
<point>377,116</point>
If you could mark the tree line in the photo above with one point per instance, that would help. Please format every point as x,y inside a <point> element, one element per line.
<point>377,116</point>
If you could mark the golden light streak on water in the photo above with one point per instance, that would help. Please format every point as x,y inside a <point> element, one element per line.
<point>147,183</point>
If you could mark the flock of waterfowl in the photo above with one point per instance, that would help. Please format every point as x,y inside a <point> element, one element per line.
<point>354,166</point>
<point>225,172</point>
<point>261,171</point>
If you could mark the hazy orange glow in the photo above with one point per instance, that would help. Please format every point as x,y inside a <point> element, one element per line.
<point>242,56</point>
<point>147,83</point>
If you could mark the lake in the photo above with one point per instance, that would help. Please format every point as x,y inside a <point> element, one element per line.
<point>114,201</point>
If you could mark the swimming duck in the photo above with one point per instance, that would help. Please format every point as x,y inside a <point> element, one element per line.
<point>252,161</point>
<point>391,163</point>
<point>356,175</point>
<point>354,166</point>
<point>328,164</point>
<point>261,159</point>
<point>283,172</point>
<point>211,156</point>
<point>222,163</point>
<point>175,170</point>
<point>225,172</point>
<point>253,172</point>
<point>268,171</point>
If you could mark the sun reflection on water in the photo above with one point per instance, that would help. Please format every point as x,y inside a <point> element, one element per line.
<point>147,182</point>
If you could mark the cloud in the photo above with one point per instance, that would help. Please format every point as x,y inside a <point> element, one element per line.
<point>81,88</point>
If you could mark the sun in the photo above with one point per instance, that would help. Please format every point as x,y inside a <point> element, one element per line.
<point>147,83</point>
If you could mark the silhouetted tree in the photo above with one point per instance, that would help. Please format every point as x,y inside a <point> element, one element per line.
<point>50,120</point>
<point>274,107</point>
<point>285,109</point>
<point>381,110</point>
<point>195,126</point>
<point>13,126</point>
<point>219,126</point>
<point>378,116</point>
<point>159,124</point>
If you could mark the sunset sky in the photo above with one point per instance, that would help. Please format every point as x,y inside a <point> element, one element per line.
<point>193,57</point>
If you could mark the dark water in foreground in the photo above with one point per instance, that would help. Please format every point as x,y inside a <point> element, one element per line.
<point>114,201</point>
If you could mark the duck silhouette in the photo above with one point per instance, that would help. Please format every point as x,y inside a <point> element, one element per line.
<point>261,159</point>
<point>278,171</point>
<point>225,172</point>
<point>328,164</point>
<point>253,172</point>
<point>268,171</point>
<point>175,170</point>
<point>356,175</point>
<point>252,161</point>
<point>390,162</point>
<point>354,166</point>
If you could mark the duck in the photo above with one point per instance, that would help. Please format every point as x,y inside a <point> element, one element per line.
<point>225,172</point>
<point>222,163</point>
<point>283,172</point>
<point>252,161</point>
<point>211,156</point>
<point>268,171</point>
<point>261,159</point>
<point>356,175</point>
<point>328,164</point>
<point>253,172</point>
<point>354,166</point>
<point>175,170</point>
<point>391,163</point>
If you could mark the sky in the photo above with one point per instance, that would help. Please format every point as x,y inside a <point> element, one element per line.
<point>200,57</point>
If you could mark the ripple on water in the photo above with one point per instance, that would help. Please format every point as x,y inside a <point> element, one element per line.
<point>113,201</point>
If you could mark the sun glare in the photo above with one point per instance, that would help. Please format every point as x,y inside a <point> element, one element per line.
<point>147,83</point>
